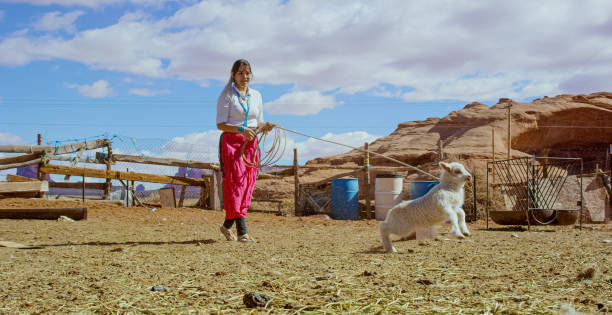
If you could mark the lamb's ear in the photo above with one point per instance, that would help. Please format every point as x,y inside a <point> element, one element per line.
<point>445,166</point>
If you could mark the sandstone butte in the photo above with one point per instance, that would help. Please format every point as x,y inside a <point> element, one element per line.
<point>560,126</point>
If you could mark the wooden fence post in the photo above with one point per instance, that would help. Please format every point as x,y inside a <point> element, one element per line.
<point>133,192</point>
<point>509,133</point>
<point>296,179</point>
<point>183,188</point>
<point>366,176</point>
<point>109,158</point>
<point>610,162</point>
<point>203,192</point>
<point>41,175</point>
<point>215,194</point>
<point>127,190</point>
<point>493,154</point>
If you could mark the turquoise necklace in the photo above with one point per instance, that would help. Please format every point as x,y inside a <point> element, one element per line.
<point>246,109</point>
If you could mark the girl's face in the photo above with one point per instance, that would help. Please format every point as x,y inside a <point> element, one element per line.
<point>242,77</point>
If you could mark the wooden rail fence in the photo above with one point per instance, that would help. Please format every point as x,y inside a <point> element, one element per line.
<point>210,184</point>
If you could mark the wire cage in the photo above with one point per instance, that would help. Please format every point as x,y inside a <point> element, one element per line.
<point>535,190</point>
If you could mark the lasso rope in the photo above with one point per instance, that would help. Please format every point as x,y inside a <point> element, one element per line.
<point>274,154</point>
<point>270,157</point>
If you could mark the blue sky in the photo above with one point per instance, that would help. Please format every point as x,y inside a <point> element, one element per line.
<point>348,71</point>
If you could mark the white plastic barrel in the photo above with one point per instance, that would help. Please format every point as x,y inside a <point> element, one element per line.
<point>388,193</point>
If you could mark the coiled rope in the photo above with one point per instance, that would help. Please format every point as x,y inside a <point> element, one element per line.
<point>275,152</point>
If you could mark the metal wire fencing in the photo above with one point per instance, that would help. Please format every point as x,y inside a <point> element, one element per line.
<point>538,184</point>
<point>202,148</point>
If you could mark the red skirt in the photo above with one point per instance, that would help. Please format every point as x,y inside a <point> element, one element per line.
<point>238,179</point>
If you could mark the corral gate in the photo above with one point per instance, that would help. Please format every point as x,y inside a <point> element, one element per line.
<point>534,184</point>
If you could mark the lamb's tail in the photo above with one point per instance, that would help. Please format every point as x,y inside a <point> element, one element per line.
<point>384,236</point>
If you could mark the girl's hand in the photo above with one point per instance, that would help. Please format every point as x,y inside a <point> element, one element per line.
<point>268,126</point>
<point>249,133</point>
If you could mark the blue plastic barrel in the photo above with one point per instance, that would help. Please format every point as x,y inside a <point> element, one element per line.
<point>345,199</point>
<point>420,188</point>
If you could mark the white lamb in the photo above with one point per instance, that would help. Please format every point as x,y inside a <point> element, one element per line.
<point>443,202</point>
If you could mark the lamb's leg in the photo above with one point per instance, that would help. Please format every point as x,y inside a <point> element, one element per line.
<point>462,225</point>
<point>385,237</point>
<point>452,217</point>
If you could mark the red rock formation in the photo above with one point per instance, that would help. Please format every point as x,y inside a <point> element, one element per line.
<point>561,126</point>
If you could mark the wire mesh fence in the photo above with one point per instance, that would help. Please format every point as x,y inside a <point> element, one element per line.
<point>539,186</point>
<point>196,148</point>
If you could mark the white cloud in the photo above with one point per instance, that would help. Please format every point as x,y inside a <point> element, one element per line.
<point>148,92</point>
<point>9,138</point>
<point>205,143</point>
<point>18,51</point>
<point>313,148</point>
<point>98,89</point>
<point>301,103</point>
<point>587,83</point>
<point>91,3</point>
<point>349,47</point>
<point>54,21</point>
<point>204,146</point>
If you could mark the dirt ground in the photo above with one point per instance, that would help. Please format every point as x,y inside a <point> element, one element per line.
<point>112,261</point>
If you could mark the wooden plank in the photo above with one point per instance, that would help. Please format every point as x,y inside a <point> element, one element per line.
<point>595,174</point>
<point>27,194</point>
<point>18,165</point>
<point>167,197</point>
<point>165,162</point>
<point>43,213</point>
<point>77,185</point>
<point>10,244</point>
<point>73,159</point>
<point>328,180</point>
<point>139,177</point>
<point>278,174</point>
<point>266,176</point>
<point>62,149</point>
<point>17,178</point>
<point>289,168</point>
<point>19,158</point>
<point>18,187</point>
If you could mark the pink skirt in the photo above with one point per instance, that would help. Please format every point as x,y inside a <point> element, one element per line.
<point>238,179</point>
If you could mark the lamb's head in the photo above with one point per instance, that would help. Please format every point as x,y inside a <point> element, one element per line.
<point>454,172</point>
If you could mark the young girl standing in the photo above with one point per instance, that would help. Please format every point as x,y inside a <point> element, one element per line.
<point>239,116</point>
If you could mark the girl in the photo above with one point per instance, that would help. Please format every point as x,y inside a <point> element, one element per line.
<point>239,116</point>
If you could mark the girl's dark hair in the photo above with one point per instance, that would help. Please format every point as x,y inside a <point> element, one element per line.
<point>227,89</point>
<point>238,63</point>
